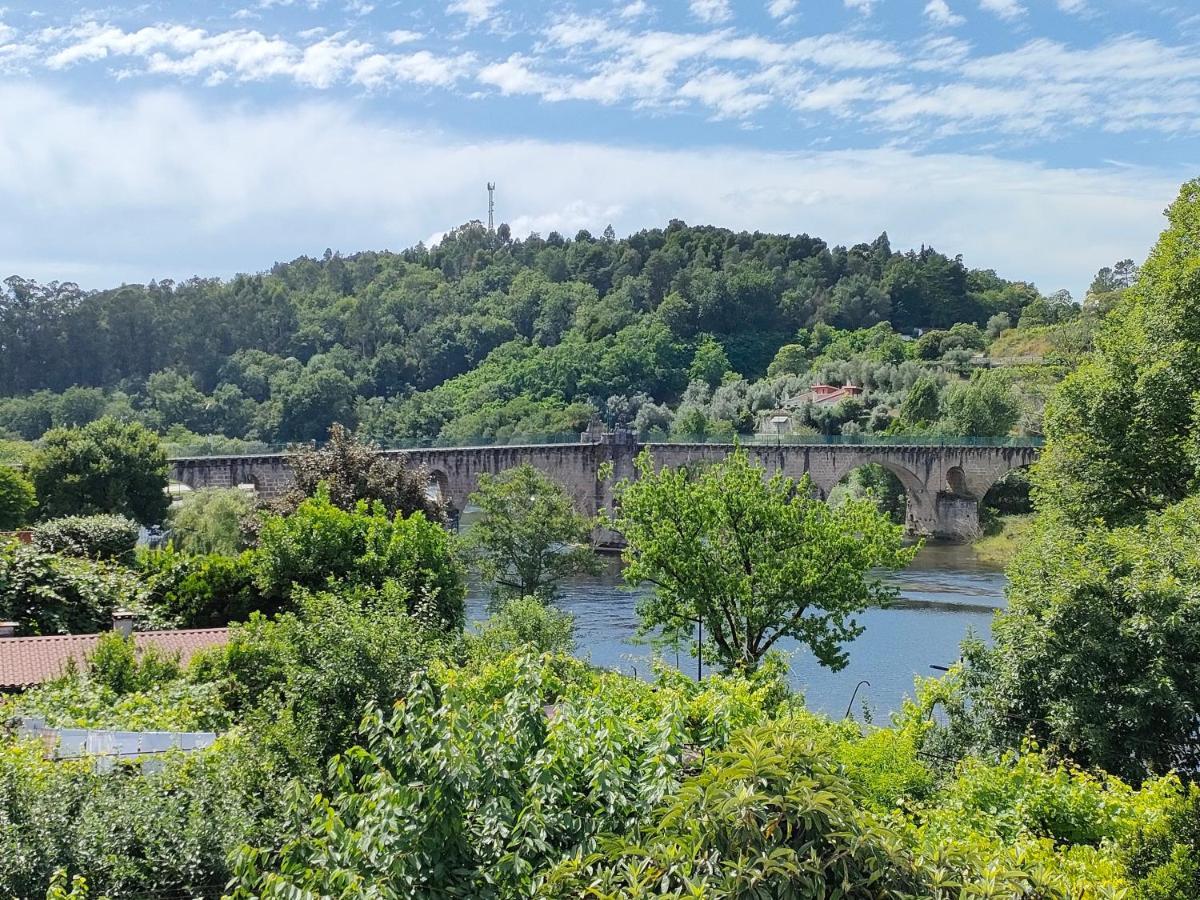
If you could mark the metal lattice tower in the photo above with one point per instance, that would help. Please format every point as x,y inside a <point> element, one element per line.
<point>491,206</point>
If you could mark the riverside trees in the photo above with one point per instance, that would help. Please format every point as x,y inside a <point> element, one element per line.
<point>752,560</point>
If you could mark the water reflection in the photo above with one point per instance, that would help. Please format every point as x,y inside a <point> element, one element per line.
<point>943,595</point>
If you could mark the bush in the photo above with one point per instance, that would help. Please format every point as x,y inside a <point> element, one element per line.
<point>90,537</point>
<point>202,591</point>
<point>51,594</point>
<point>523,624</point>
<point>210,521</point>
<point>320,543</point>
<point>17,499</point>
<point>164,833</point>
<point>304,678</point>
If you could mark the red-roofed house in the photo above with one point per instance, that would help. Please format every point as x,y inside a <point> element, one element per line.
<point>29,661</point>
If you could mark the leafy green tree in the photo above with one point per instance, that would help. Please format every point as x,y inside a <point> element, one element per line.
<point>211,521</point>
<point>1122,432</point>
<point>921,404</point>
<point>753,560</point>
<point>791,359</point>
<point>1097,652</point>
<point>320,543</point>
<point>984,406</point>
<point>710,363</point>
<point>104,467</point>
<point>353,470</point>
<point>530,537</point>
<point>17,499</point>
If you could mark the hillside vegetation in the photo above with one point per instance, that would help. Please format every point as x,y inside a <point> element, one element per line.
<point>484,336</point>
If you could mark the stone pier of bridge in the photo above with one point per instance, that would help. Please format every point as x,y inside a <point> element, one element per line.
<point>943,483</point>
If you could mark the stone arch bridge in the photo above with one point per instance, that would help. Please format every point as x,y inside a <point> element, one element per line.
<point>944,482</point>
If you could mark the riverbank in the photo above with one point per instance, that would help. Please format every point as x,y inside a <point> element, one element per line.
<point>1000,547</point>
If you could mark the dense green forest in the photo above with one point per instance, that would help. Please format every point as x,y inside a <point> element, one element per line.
<point>684,329</point>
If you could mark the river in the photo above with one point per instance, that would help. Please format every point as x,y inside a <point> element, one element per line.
<point>944,594</point>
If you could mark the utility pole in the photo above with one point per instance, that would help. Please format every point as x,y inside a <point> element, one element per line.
<point>491,207</point>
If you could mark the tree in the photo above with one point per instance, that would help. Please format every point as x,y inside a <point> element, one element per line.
<point>354,470</point>
<point>1122,431</point>
<point>104,467</point>
<point>921,403</point>
<point>17,498</point>
<point>753,560</point>
<point>1097,653</point>
<point>321,542</point>
<point>984,406</point>
<point>531,537</point>
<point>211,521</point>
<point>709,364</point>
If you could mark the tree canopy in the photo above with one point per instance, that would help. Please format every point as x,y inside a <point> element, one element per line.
<point>752,559</point>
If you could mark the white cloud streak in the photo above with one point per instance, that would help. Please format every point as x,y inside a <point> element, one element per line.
<point>210,190</point>
<point>1005,9</point>
<point>939,12</point>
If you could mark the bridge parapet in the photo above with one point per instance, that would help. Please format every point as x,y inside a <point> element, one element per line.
<point>943,482</point>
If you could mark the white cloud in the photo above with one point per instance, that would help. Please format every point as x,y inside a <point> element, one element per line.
<point>403,36</point>
<point>208,190</point>
<point>421,68</point>
<point>940,13</point>
<point>781,9</point>
<point>711,11</point>
<point>476,11</point>
<point>862,6</point>
<point>634,9</point>
<point>1072,6</point>
<point>1005,9</point>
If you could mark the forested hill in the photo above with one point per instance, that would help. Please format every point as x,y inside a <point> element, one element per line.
<point>479,336</point>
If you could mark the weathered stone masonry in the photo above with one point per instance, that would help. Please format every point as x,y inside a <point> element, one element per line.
<point>943,484</point>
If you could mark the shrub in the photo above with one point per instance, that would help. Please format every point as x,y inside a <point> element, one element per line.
<point>16,498</point>
<point>202,591</point>
<point>90,537</point>
<point>51,594</point>
<point>304,678</point>
<point>320,543</point>
<point>523,624</point>
<point>210,521</point>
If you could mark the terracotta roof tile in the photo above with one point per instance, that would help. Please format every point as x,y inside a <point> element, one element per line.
<point>28,661</point>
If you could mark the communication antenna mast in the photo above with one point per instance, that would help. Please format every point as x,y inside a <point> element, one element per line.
<point>491,206</point>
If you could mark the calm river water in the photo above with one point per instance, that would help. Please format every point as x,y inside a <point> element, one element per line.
<point>945,593</point>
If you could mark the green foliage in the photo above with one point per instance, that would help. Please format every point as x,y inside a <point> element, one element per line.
<point>17,498</point>
<point>202,591</point>
<point>1096,653</point>
<point>165,832</point>
<point>985,405</point>
<point>753,559</point>
<point>108,537</point>
<point>1163,855</point>
<point>352,470</point>
<point>1122,432</point>
<point>303,679</point>
<point>104,467</point>
<point>211,521</point>
<point>777,820</point>
<point>922,404</point>
<point>524,624</point>
<point>530,537</point>
<point>710,363</point>
<point>320,543</point>
<point>117,665</point>
<point>51,594</point>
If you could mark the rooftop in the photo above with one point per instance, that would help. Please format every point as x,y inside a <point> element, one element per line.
<point>29,661</point>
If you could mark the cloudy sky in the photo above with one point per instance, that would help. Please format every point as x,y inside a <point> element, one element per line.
<point>1042,138</point>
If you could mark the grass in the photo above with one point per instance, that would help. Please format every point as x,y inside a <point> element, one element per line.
<point>1000,547</point>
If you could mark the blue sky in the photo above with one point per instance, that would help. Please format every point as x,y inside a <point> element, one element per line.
<point>165,139</point>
